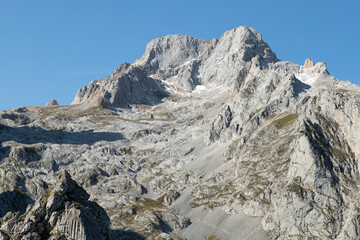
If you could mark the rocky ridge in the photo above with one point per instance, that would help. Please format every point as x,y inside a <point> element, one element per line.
<point>192,128</point>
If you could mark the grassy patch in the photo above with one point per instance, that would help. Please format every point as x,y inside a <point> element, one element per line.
<point>234,143</point>
<point>68,111</point>
<point>146,121</point>
<point>216,196</point>
<point>212,236</point>
<point>297,189</point>
<point>47,195</point>
<point>342,90</point>
<point>143,204</point>
<point>340,155</point>
<point>285,121</point>
<point>157,119</point>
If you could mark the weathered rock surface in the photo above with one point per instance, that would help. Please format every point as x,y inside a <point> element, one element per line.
<point>192,128</point>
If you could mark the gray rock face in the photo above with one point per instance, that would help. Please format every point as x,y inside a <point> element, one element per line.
<point>216,134</point>
<point>122,89</point>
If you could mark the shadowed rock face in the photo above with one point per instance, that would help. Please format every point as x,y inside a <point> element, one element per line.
<point>216,134</point>
<point>32,135</point>
<point>14,201</point>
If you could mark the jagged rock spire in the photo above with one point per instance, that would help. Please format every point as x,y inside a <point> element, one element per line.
<point>308,63</point>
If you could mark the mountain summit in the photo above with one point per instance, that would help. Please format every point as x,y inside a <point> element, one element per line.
<point>198,138</point>
<point>181,61</point>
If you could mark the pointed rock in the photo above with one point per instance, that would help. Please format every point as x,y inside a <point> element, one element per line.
<point>308,63</point>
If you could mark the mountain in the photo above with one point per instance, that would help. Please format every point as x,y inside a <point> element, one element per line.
<point>214,139</point>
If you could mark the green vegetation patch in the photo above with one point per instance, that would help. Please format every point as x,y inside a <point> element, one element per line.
<point>297,189</point>
<point>143,204</point>
<point>339,154</point>
<point>285,121</point>
<point>214,196</point>
<point>343,90</point>
<point>212,236</point>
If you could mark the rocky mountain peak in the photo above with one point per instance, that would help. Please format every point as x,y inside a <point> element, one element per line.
<point>122,69</point>
<point>248,42</point>
<point>173,51</point>
<point>244,34</point>
<point>183,62</point>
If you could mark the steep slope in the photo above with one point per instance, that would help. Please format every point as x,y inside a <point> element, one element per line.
<point>199,138</point>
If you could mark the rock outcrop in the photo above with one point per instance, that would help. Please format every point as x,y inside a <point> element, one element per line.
<point>62,213</point>
<point>52,102</point>
<point>308,63</point>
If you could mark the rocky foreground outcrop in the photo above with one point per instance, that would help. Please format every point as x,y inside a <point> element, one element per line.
<point>196,139</point>
<point>62,213</point>
<point>65,212</point>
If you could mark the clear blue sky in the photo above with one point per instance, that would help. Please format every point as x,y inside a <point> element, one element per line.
<point>50,49</point>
